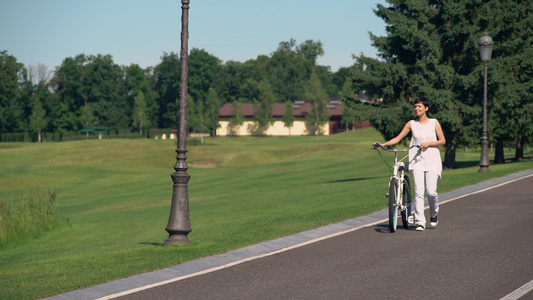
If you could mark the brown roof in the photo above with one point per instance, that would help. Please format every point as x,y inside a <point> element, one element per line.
<point>300,108</point>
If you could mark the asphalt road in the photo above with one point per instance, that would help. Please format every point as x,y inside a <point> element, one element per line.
<point>482,248</point>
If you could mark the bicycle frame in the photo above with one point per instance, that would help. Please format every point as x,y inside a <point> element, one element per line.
<point>399,168</point>
<point>397,204</point>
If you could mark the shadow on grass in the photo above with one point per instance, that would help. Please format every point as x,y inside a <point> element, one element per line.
<point>465,164</point>
<point>351,179</point>
<point>151,244</point>
<point>473,163</point>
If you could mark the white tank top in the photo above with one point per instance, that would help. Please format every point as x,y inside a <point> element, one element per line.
<point>429,159</point>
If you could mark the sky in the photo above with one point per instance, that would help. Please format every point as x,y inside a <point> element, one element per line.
<point>141,31</point>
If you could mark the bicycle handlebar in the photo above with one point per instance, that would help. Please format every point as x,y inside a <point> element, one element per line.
<point>393,150</point>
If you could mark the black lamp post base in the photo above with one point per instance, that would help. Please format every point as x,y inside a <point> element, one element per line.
<point>180,239</point>
<point>484,162</point>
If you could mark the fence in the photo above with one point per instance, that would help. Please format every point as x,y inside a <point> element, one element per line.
<point>75,136</point>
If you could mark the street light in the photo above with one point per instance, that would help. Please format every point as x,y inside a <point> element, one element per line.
<point>179,224</point>
<point>485,52</point>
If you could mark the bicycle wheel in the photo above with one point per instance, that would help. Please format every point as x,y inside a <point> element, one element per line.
<point>393,208</point>
<point>406,201</point>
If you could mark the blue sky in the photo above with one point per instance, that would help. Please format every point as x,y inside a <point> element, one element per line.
<point>140,31</point>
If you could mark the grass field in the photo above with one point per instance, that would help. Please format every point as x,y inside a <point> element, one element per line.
<point>116,196</point>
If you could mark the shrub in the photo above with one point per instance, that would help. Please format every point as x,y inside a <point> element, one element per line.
<point>29,217</point>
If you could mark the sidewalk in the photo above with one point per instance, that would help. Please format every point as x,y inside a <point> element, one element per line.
<point>139,282</point>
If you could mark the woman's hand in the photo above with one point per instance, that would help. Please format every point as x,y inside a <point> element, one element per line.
<point>425,145</point>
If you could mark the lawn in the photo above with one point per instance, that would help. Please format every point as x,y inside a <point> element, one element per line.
<point>115,195</point>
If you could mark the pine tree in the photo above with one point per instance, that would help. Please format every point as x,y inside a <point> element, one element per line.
<point>431,50</point>
<point>510,74</point>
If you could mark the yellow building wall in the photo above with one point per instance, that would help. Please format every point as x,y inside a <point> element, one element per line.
<point>277,129</point>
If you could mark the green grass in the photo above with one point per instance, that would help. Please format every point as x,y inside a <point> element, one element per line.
<point>116,195</point>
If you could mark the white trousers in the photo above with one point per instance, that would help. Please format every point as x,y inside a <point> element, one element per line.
<point>427,179</point>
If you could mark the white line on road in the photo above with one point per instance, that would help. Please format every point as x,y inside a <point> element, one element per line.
<point>521,291</point>
<point>484,190</point>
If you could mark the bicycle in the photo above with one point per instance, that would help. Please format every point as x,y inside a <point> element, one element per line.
<point>399,195</point>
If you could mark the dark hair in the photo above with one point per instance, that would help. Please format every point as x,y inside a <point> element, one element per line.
<point>424,101</point>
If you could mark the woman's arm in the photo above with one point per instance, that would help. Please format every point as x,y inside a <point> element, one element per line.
<point>399,137</point>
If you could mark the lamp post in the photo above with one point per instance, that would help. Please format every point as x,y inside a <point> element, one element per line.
<point>179,224</point>
<point>485,51</point>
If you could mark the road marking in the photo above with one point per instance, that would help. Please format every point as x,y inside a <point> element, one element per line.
<point>484,190</point>
<point>513,296</point>
<point>521,291</point>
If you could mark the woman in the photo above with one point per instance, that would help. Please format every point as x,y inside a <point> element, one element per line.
<point>424,162</point>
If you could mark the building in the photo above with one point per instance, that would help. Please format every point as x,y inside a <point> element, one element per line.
<point>300,108</point>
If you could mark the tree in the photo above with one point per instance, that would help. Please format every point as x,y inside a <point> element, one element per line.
<point>288,116</point>
<point>510,25</point>
<point>12,75</point>
<point>249,90</point>
<point>287,72</point>
<point>195,117</point>
<point>237,118</point>
<point>344,74</point>
<point>203,73</point>
<point>37,120</point>
<point>318,114</point>
<point>137,80</point>
<point>94,80</point>
<point>430,50</point>
<point>290,66</point>
<point>230,80</point>
<point>39,74</point>
<point>87,118</point>
<point>106,92</point>
<point>326,79</point>
<point>263,109</point>
<point>192,115</point>
<point>350,113</point>
<point>252,72</point>
<point>167,78</point>
<point>310,50</point>
<point>201,120</point>
<point>140,114</point>
<point>71,90</point>
<point>211,111</point>
<point>41,99</point>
